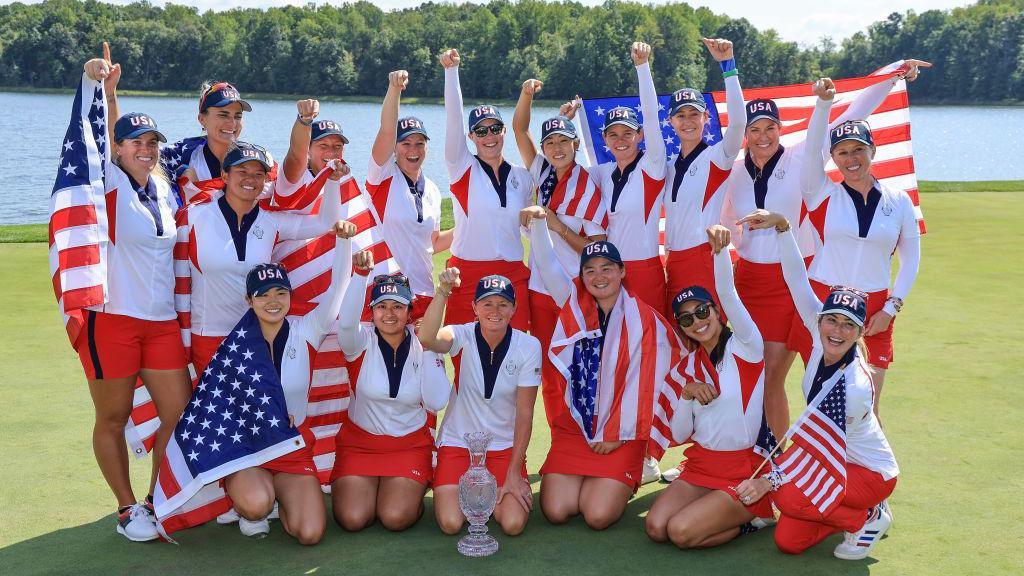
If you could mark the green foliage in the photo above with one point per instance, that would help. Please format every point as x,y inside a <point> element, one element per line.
<point>344,50</point>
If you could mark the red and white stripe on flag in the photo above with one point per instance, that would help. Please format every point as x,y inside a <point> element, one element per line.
<point>816,461</point>
<point>689,369</point>
<point>579,196</point>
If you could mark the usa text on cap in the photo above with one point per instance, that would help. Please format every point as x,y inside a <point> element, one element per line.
<point>762,108</point>
<point>410,125</point>
<point>851,130</point>
<point>263,277</point>
<point>222,94</point>
<point>495,285</point>
<point>847,302</point>
<point>246,152</point>
<point>394,288</point>
<point>698,293</point>
<point>135,124</point>
<point>481,113</point>
<point>621,115</point>
<point>558,125</point>
<point>686,97</point>
<point>325,128</point>
<point>600,249</point>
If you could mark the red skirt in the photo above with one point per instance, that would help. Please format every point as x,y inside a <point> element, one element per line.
<point>764,293</point>
<point>203,349</point>
<point>646,278</point>
<point>723,470</point>
<point>360,453</point>
<point>460,303</point>
<point>880,349</point>
<point>452,463</point>
<point>571,454</point>
<point>297,462</point>
<point>543,317</point>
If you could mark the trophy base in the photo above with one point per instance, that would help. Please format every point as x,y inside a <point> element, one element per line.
<point>477,545</point>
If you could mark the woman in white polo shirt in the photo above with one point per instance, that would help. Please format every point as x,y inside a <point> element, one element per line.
<point>497,372</point>
<point>385,448</point>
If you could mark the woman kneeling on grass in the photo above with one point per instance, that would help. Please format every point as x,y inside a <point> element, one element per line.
<point>838,380</point>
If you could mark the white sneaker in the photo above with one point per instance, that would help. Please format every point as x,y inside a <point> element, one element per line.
<point>669,476</point>
<point>651,471</point>
<point>275,514</point>
<point>762,523</point>
<point>229,517</point>
<point>857,545</point>
<point>884,505</point>
<point>254,528</point>
<point>136,524</point>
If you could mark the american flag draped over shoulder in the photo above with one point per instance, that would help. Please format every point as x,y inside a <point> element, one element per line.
<point>816,460</point>
<point>611,381</point>
<point>237,418</point>
<point>79,233</point>
<point>893,165</point>
<point>694,367</point>
<point>576,195</point>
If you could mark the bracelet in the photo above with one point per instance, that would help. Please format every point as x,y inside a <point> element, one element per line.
<point>728,66</point>
<point>776,479</point>
<point>782,230</point>
<point>897,303</point>
<point>442,293</point>
<point>298,118</point>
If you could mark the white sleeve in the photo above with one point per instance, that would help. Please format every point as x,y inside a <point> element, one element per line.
<point>908,247</point>
<point>456,152</point>
<point>729,148</point>
<point>682,421</point>
<point>376,174</point>
<point>866,102</point>
<point>352,336</point>
<point>593,229</point>
<point>529,370</point>
<point>434,388</point>
<point>318,322</point>
<point>302,226</point>
<point>813,180</point>
<point>654,158</point>
<point>795,273</point>
<point>747,338</point>
<point>556,279</point>
<point>459,336</point>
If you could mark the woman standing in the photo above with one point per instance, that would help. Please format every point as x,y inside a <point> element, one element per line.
<point>497,371</point>
<point>385,448</point>
<point>488,194</point>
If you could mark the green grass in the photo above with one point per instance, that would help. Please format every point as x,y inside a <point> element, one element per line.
<point>952,408</point>
<point>20,233</point>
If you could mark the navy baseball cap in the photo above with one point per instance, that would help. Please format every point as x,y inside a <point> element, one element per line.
<point>762,108</point>
<point>847,302</point>
<point>698,293</point>
<point>263,277</point>
<point>245,152</point>
<point>222,94</point>
<point>325,128</point>
<point>410,125</point>
<point>483,112</point>
<point>135,124</point>
<point>495,285</point>
<point>851,130</point>
<point>600,249</point>
<point>558,125</point>
<point>686,97</point>
<point>391,287</point>
<point>621,115</point>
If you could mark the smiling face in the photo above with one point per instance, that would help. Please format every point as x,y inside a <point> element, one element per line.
<point>688,124</point>
<point>411,152</point>
<point>223,125</point>
<point>390,317</point>
<point>272,306</point>
<point>324,150</point>
<point>623,142</point>
<point>245,181</point>
<point>838,334</point>
<point>853,158</point>
<point>494,313</point>
<point>489,146</point>
<point>763,139</point>
<point>560,150</point>
<point>602,278</point>
<point>138,156</point>
<point>704,332</point>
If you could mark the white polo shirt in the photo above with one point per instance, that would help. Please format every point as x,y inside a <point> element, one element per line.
<point>407,228</point>
<point>469,410</point>
<point>140,255</point>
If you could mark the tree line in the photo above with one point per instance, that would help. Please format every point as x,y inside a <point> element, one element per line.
<point>348,49</point>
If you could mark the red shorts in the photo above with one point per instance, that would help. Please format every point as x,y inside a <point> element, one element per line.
<point>297,462</point>
<point>879,345</point>
<point>646,278</point>
<point>360,453</point>
<point>460,303</point>
<point>571,454</point>
<point>452,463</point>
<point>764,293</point>
<point>543,317</point>
<point>203,349</point>
<point>116,346</point>
<point>723,470</point>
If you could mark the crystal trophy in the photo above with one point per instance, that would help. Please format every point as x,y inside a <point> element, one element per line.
<point>478,494</point>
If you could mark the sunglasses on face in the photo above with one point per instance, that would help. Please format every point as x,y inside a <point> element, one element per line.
<point>399,279</point>
<point>482,131</point>
<point>701,312</point>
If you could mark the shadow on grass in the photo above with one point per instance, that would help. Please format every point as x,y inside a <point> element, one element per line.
<point>95,548</point>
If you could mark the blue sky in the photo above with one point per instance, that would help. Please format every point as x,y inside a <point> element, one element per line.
<point>803,21</point>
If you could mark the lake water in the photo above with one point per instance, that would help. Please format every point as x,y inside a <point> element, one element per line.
<point>33,126</point>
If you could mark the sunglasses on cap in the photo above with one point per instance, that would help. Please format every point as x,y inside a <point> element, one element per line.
<point>215,88</point>
<point>482,131</point>
<point>399,279</point>
<point>686,319</point>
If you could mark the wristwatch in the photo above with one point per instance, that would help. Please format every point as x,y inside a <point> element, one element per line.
<point>298,117</point>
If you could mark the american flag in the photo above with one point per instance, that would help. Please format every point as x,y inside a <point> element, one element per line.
<point>583,375</point>
<point>79,226</point>
<point>890,124</point>
<point>816,460</point>
<point>577,195</point>
<point>174,160</point>
<point>237,418</point>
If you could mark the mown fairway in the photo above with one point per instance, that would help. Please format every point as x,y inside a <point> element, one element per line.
<point>953,408</point>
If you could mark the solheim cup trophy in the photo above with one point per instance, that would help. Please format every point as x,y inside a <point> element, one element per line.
<point>478,494</point>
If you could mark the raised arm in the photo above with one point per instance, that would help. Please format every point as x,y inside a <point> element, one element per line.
<point>104,69</point>
<point>455,148</point>
<point>654,158</point>
<point>432,335</point>
<point>297,158</point>
<point>521,121</point>
<point>745,332</point>
<point>721,50</point>
<point>813,178</point>
<point>384,143</point>
<point>351,336</point>
<point>323,316</point>
<point>556,279</point>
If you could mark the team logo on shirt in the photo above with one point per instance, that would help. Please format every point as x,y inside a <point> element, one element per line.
<point>887,208</point>
<point>515,182</point>
<point>291,352</point>
<point>439,362</point>
<point>257,232</point>
<point>693,170</point>
<point>780,174</point>
<point>511,368</point>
